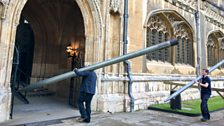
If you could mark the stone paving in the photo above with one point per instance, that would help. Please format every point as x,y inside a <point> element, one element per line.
<point>139,118</point>
<point>146,118</point>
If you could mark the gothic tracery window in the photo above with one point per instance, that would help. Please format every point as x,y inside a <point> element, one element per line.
<point>214,52</point>
<point>165,26</point>
<point>221,49</point>
<point>184,50</point>
<point>157,33</point>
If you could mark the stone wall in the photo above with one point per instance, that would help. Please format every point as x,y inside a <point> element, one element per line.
<point>145,91</point>
<point>5,103</point>
<point>103,31</point>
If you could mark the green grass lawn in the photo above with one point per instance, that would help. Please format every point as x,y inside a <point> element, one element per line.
<point>193,106</point>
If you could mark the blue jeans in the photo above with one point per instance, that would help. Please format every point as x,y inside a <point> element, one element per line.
<point>85,111</point>
<point>204,106</point>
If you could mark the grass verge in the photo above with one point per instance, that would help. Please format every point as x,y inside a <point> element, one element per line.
<point>193,106</point>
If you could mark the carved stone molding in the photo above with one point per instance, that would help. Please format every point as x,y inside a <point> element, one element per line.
<point>210,42</point>
<point>170,18</point>
<point>181,31</point>
<point>3,8</point>
<point>4,2</point>
<point>156,23</point>
<point>115,6</point>
<point>187,5</point>
<point>100,23</point>
<point>213,17</point>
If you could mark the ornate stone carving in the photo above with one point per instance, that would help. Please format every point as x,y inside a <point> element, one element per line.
<point>156,23</point>
<point>4,2</point>
<point>100,23</point>
<point>187,5</point>
<point>181,31</point>
<point>210,42</point>
<point>3,8</point>
<point>170,18</point>
<point>115,6</point>
<point>213,17</point>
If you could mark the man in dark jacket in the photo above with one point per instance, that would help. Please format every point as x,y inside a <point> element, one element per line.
<point>87,90</point>
<point>205,84</point>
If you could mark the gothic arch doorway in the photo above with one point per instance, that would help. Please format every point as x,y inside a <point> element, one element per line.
<point>55,25</point>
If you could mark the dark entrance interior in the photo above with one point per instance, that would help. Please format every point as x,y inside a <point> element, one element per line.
<point>46,28</point>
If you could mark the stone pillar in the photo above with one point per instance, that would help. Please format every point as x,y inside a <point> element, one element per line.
<point>5,75</point>
<point>6,56</point>
<point>8,25</point>
<point>203,38</point>
<point>5,101</point>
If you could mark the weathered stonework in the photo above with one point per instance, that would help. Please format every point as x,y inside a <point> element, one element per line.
<point>115,6</point>
<point>102,33</point>
<point>5,101</point>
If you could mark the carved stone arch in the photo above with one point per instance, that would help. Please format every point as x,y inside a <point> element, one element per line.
<point>172,16</point>
<point>161,16</point>
<point>93,28</point>
<point>8,31</point>
<point>92,22</point>
<point>216,35</point>
<point>156,22</point>
<point>215,47</point>
<point>180,26</point>
<point>212,41</point>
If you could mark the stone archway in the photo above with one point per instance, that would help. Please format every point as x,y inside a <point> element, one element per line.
<point>93,37</point>
<point>215,47</point>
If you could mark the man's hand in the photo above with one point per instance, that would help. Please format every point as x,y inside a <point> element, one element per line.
<point>196,82</point>
<point>75,69</point>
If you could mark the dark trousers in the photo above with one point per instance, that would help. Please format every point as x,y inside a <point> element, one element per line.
<point>204,106</point>
<point>85,111</point>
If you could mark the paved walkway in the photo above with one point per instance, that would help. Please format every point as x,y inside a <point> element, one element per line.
<point>145,118</point>
<point>139,118</point>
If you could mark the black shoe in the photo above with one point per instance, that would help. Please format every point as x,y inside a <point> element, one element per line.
<point>86,120</point>
<point>203,120</point>
<point>80,119</point>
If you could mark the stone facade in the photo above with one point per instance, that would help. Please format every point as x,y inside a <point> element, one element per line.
<point>98,30</point>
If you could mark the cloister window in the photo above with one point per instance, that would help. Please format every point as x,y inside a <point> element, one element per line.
<point>157,33</point>
<point>212,51</point>
<point>222,56</point>
<point>165,26</point>
<point>166,35</point>
<point>153,42</point>
<point>189,47</point>
<point>184,50</point>
<point>178,50</point>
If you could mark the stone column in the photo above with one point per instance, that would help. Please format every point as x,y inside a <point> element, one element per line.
<point>9,19</point>
<point>203,61</point>
<point>5,92</point>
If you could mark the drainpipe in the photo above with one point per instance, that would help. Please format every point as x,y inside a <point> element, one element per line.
<point>126,62</point>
